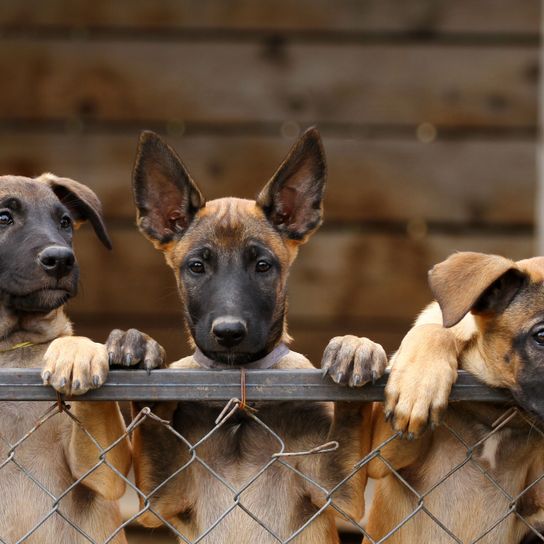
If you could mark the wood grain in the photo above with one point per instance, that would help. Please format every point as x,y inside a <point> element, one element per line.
<point>483,16</point>
<point>208,82</point>
<point>390,180</point>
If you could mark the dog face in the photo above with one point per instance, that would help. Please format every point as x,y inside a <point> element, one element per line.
<point>39,272</point>
<point>230,256</point>
<point>507,300</point>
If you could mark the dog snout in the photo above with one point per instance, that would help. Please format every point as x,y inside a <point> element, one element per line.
<point>57,261</point>
<point>229,331</point>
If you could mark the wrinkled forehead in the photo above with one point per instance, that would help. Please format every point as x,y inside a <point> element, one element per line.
<point>229,224</point>
<point>27,190</point>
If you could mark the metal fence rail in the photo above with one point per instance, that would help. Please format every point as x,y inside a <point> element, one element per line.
<point>260,385</point>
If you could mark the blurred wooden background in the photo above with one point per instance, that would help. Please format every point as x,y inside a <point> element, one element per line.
<point>428,111</point>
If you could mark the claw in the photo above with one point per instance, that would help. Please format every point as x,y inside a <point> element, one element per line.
<point>111,358</point>
<point>357,380</point>
<point>127,360</point>
<point>96,380</point>
<point>46,376</point>
<point>76,385</point>
<point>339,376</point>
<point>63,382</point>
<point>389,415</point>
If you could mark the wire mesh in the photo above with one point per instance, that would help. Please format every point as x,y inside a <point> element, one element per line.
<point>476,457</point>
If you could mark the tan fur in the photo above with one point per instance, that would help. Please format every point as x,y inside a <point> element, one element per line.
<point>57,454</point>
<point>423,371</point>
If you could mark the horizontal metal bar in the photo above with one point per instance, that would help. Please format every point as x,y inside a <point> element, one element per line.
<point>261,385</point>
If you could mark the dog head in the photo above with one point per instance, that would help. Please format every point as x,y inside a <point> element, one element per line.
<point>507,301</point>
<point>230,256</point>
<point>39,271</point>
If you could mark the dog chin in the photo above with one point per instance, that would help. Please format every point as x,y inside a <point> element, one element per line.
<point>232,358</point>
<point>42,301</point>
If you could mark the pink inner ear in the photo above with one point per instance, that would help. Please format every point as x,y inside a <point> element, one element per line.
<point>288,201</point>
<point>176,219</point>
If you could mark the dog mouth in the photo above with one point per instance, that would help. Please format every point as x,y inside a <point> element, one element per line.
<point>39,301</point>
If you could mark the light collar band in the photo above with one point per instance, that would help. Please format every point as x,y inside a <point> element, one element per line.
<point>274,357</point>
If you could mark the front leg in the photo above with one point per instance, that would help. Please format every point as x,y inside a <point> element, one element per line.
<point>354,361</point>
<point>73,365</point>
<point>422,375</point>
<point>157,452</point>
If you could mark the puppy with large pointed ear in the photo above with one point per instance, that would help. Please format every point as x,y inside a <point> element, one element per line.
<point>231,259</point>
<point>230,256</point>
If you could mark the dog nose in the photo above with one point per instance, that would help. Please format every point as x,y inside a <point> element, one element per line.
<point>56,260</point>
<point>229,331</point>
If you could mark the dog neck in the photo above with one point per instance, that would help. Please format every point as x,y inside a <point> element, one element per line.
<point>268,361</point>
<point>18,328</point>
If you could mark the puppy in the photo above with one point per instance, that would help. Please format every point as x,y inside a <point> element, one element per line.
<point>231,259</point>
<point>488,319</point>
<point>39,274</point>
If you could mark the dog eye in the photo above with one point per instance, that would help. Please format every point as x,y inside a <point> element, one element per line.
<point>196,267</point>
<point>6,219</point>
<point>65,222</point>
<point>539,337</point>
<point>262,266</point>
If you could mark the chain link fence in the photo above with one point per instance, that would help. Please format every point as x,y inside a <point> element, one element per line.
<point>235,392</point>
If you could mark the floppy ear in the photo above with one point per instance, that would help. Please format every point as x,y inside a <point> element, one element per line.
<point>81,201</point>
<point>476,282</point>
<point>292,199</point>
<point>166,197</point>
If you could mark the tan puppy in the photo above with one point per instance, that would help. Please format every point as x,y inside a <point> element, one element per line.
<point>231,258</point>
<point>488,320</point>
<point>39,274</point>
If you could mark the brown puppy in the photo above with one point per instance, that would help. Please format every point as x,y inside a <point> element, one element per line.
<point>488,320</point>
<point>231,259</point>
<point>38,275</point>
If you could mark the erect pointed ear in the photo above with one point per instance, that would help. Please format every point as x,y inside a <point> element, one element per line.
<point>81,201</point>
<point>293,199</point>
<point>166,197</point>
<point>476,282</point>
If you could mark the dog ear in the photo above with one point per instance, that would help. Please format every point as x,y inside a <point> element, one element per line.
<point>293,199</point>
<point>476,282</point>
<point>166,197</point>
<point>81,201</point>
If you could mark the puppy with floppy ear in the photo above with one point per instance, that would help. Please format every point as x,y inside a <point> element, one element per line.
<point>39,274</point>
<point>488,320</point>
<point>231,259</point>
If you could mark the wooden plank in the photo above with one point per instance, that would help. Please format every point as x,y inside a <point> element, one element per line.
<point>252,82</point>
<point>470,181</point>
<point>485,16</point>
<point>339,275</point>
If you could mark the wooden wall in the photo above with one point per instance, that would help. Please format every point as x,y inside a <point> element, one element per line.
<point>428,110</point>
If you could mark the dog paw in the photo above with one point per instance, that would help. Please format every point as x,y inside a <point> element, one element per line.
<point>422,374</point>
<point>353,361</point>
<point>134,349</point>
<point>75,364</point>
